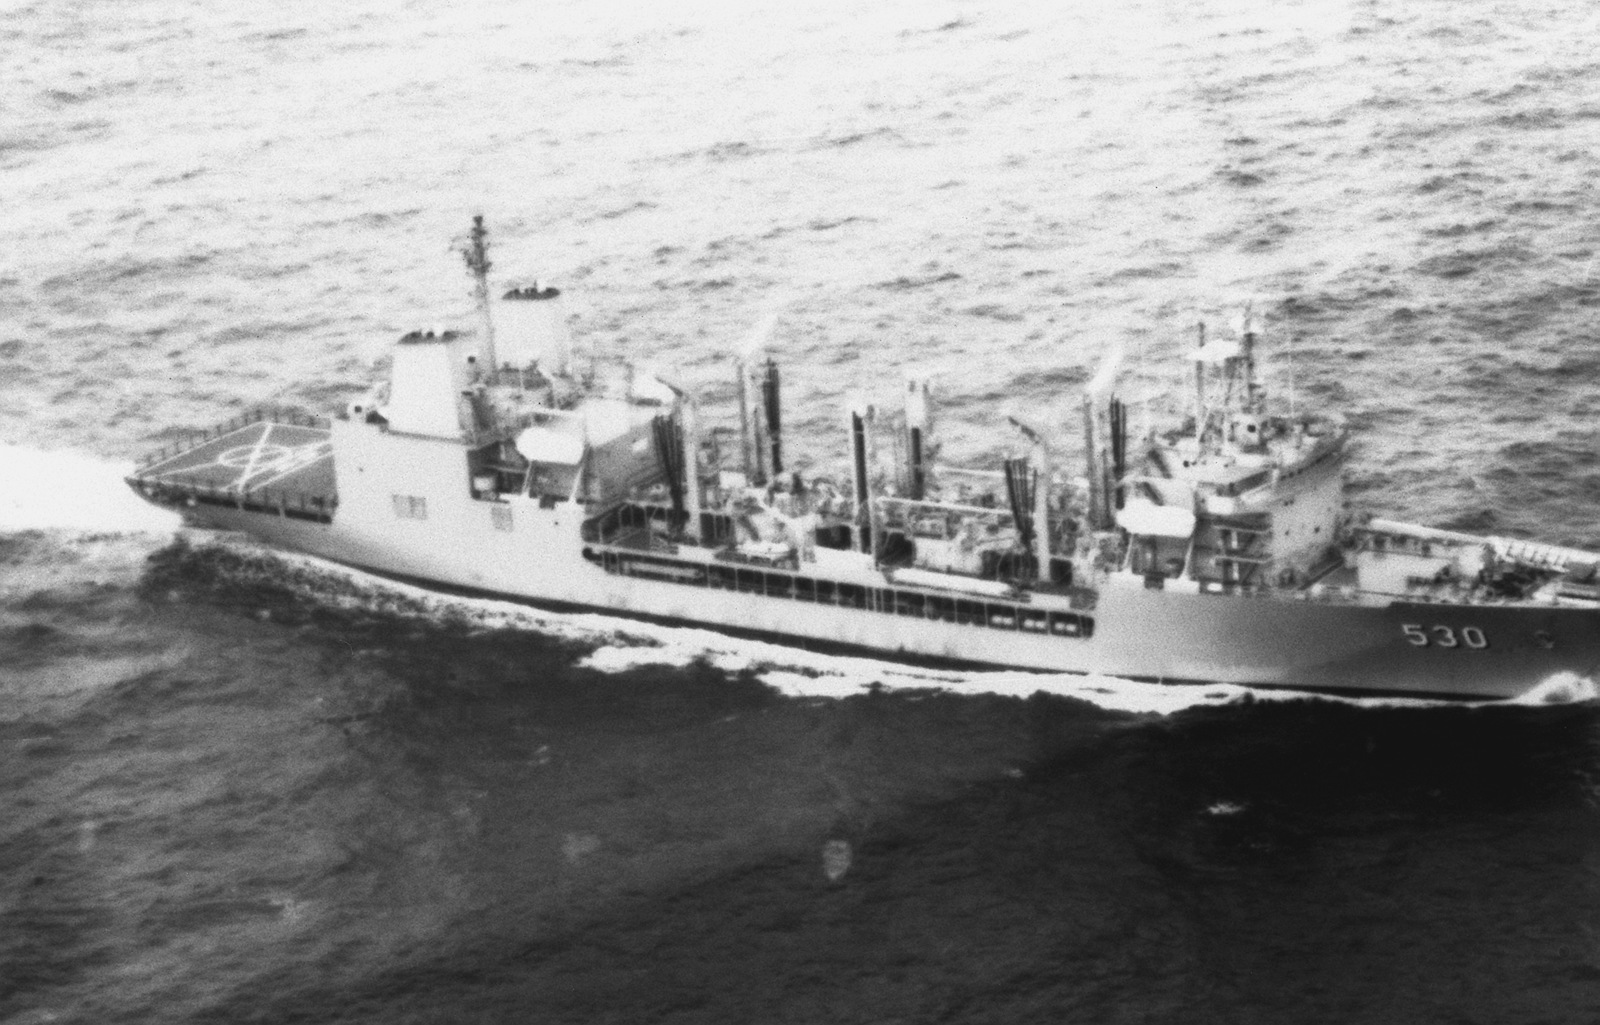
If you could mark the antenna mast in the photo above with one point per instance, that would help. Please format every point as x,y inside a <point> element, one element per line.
<point>1289,350</point>
<point>476,254</point>
<point>1247,345</point>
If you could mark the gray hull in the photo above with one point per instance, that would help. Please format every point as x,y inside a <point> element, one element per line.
<point>1434,650</point>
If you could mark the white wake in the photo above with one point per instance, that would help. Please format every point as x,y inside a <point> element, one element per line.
<point>71,491</point>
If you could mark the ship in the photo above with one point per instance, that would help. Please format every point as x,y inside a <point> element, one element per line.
<point>1215,547</point>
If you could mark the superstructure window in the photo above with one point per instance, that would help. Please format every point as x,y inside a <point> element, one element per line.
<point>1065,624</point>
<point>410,507</point>
<point>753,580</point>
<point>908,603</point>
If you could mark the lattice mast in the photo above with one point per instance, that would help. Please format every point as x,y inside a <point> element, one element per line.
<point>476,255</point>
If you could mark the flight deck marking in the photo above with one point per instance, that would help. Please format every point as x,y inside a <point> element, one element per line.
<point>255,453</point>
<point>297,459</point>
<point>259,459</point>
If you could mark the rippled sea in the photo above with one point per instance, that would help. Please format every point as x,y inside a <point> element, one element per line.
<point>243,786</point>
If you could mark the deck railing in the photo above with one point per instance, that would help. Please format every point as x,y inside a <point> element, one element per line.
<point>270,414</point>
<point>294,504</point>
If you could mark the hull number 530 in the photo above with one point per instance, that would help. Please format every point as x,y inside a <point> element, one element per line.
<point>1444,636</point>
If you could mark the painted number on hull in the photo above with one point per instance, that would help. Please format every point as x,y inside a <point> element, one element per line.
<point>1444,636</point>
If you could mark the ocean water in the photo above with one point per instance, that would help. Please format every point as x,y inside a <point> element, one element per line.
<point>238,785</point>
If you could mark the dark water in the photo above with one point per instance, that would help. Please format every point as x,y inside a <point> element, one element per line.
<point>242,787</point>
<point>356,809</point>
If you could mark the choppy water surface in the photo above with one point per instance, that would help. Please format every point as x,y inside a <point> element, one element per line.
<point>236,786</point>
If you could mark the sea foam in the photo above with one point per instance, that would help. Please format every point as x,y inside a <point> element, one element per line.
<point>72,491</point>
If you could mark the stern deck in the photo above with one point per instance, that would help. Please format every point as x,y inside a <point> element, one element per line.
<point>264,462</point>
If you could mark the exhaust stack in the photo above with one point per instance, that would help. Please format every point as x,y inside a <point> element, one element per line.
<point>689,433</point>
<point>919,422</point>
<point>1040,457</point>
<point>533,326</point>
<point>769,398</point>
<point>746,448</point>
<point>690,418</point>
<point>1119,451</point>
<point>751,447</point>
<point>860,417</point>
<point>1097,441</point>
